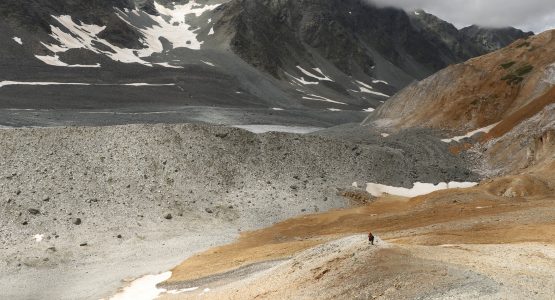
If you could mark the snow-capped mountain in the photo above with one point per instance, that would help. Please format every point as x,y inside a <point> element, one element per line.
<point>327,54</point>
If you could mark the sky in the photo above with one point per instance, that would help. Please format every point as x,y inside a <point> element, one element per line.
<point>534,15</point>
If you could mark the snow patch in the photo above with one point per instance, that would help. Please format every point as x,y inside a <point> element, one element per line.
<point>370,109</point>
<point>84,36</point>
<point>365,88</point>
<point>143,288</point>
<point>385,135</point>
<point>380,81</point>
<point>143,84</point>
<point>334,109</point>
<point>320,98</point>
<point>470,134</point>
<point>321,78</point>
<point>211,32</point>
<point>167,65</point>
<point>7,83</point>
<point>277,128</point>
<point>277,108</point>
<point>54,60</point>
<point>17,40</point>
<point>301,81</point>
<point>208,63</point>
<point>38,237</point>
<point>44,83</point>
<point>418,189</point>
<point>170,25</point>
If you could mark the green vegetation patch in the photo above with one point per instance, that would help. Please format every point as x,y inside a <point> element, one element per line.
<point>524,70</point>
<point>512,79</point>
<point>508,65</point>
<point>517,76</point>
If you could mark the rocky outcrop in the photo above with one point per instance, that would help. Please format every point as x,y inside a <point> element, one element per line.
<point>491,39</point>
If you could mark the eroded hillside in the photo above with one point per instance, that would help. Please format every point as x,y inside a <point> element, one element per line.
<point>479,92</point>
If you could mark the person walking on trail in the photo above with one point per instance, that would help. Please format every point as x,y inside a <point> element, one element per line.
<point>371,238</point>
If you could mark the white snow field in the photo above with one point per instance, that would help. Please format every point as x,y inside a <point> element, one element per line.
<point>143,288</point>
<point>418,189</point>
<point>470,134</point>
<point>278,128</point>
<point>170,24</point>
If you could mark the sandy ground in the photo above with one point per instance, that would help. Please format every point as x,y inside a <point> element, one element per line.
<point>456,244</point>
<point>351,268</point>
<point>97,270</point>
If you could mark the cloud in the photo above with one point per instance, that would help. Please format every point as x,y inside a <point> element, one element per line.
<point>535,15</point>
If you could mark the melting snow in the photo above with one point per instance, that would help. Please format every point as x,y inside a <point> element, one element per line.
<point>43,83</point>
<point>365,88</point>
<point>320,98</point>
<point>321,78</point>
<point>370,109</point>
<point>470,134</point>
<point>300,81</point>
<point>211,32</point>
<point>167,65</point>
<point>38,237</point>
<point>84,37</point>
<point>144,84</point>
<point>17,40</point>
<point>419,189</point>
<point>6,83</point>
<point>277,128</point>
<point>208,63</point>
<point>55,61</point>
<point>143,288</point>
<point>170,25</point>
<point>380,81</point>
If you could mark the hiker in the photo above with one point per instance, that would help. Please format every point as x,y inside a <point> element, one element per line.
<point>371,238</point>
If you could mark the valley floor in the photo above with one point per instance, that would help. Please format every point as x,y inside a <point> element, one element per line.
<point>456,244</point>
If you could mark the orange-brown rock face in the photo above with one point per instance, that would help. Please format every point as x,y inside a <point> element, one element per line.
<point>479,92</point>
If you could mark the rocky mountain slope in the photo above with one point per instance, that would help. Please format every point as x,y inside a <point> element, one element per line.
<point>480,92</point>
<point>492,39</point>
<point>238,53</point>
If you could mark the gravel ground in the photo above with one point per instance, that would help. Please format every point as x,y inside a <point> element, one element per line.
<point>114,198</point>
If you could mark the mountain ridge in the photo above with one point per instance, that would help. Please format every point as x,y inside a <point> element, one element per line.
<point>347,55</point>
